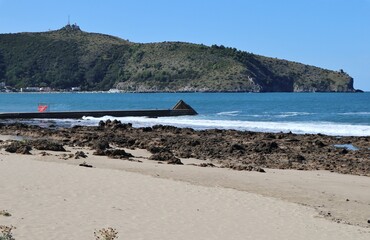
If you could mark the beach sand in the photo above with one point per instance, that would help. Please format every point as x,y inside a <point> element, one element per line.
<point>52,198</point>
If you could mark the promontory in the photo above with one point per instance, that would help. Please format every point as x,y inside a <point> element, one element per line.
<point>70,57</point>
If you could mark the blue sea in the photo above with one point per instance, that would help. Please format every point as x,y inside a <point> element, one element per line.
<point>338,114</point>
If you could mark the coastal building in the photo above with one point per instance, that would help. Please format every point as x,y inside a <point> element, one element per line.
<point>30,89</point>
<point>45,89</point>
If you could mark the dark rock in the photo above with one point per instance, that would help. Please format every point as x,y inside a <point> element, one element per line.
<point>206,165</point>
<point>101,124</point>
<point>44,154</point>
<point>80,154</point>
<point>270,136</point>
<point>25,150</point>
<point>175,161</point>
<point>258,169</point>
<point>344,151</point>
<point>281,150</point>
<point>118,153</point>
<point>319,144</point>
<point>162,156</point>
<point>146,129</point>
<point>99,152</point>
<point>193,143</point>
<point>47,145</point>
<point>155,149</point>
<point>297,158</point>
<point>264,147</point>
<point>84,164</point>
<point>18,147</point>
<point>237,147</point>
<point>100,145</point>
<point>292,140</point>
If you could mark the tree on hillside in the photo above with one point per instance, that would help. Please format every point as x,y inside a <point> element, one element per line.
<point>2,67</point>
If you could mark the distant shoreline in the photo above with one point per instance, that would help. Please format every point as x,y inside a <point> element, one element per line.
<point>79,92</point>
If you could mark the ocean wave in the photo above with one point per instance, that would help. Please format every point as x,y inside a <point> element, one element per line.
<point>229,113</point>
<point>292,114</point>
<point>355,113</point>
<point>327,128</point>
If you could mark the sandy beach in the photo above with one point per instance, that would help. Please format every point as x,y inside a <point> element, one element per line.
<point>49,196</point>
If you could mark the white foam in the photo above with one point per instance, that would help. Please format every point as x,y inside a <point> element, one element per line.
<point>355,113</point>
<point>292,114</point>
<point>230,113</point>
<point>327,128</point>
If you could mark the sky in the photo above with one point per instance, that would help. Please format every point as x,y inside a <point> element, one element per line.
<point>332,34</point>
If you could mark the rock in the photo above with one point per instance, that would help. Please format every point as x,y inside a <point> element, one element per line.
<point>297,158</point>
<point>99,152</point>
<point>264,147</point>
<point>47,145</point>
<point>166,156</point>
<point>319,144</point>
<point>270,136</point>
<point>280,150</point>
<point>344,151</point>
<point>175,161</point>
<point>84,164</point>
<point>18,147</point>
<point>193,143</point>
<point>44,154</point>
<point>146,129</point>
<point>237,147</point>
<point>100,145</point>
<point>101,124</point>
<point>206,165</point>
<point>25,150</point>
<point>155,149</point>
<point>162,156</point>
<point>117,153</point>
<point>368,221</point>
<point>80,154</point>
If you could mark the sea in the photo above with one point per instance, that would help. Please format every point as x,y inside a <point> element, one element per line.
<point>337,114</point>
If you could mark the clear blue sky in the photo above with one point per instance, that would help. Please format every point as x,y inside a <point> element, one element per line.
<point>333,34</point>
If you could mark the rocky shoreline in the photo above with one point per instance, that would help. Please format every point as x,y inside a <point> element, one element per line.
<point>233,149</point>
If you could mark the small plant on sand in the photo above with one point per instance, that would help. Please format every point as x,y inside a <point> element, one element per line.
<point>105,234</point>
<point>6,232</point>
<point>5,213</point>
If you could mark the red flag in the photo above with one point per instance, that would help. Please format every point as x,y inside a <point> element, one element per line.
<point>42,108</point>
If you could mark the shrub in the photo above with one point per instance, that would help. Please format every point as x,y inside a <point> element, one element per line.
<point>105,234</point>
<point>5,213</point>
<point>6,232</point>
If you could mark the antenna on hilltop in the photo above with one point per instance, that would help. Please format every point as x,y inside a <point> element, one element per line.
<point>68,20</point>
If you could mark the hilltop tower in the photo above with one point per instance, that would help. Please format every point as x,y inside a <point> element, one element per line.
<point>73,27</point>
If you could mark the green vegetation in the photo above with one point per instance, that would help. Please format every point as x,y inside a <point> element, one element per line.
<point>6,232</point>
<point>70,57</point>
<point>5,213</point>
<point>106,234</point>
